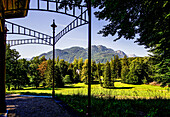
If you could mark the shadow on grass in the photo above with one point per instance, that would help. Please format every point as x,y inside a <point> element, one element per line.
<point>104,107</point>
<point>122,88</point>
<point>118,87</point>
<point>95,82</point>
<point>73,87</point>
<point>117,80</point>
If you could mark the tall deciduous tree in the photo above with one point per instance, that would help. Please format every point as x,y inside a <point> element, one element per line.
<point>138,72</point>
<point>63,67</point>
<point>49,73</point>
<point>75,70</point>
<point>42,69</point>
<point>58,79</point>
<point>33,71</point>
<point>11,66</point>
<point>22,72</point>
<point>147,18</point>
<point>84,76</point>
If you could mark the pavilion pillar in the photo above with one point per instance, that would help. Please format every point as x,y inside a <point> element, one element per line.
<point>2,62</point>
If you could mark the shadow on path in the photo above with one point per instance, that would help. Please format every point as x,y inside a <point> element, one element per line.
<point>22,106</point>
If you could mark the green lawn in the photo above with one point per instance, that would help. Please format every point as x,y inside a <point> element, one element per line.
<point>121,91</point>
<point>125,100</point>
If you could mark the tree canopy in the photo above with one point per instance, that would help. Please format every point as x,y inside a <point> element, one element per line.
<point>128,18</point>
<point>147,21</point>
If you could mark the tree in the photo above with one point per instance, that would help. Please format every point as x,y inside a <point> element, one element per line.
<point>147,18</point>
<point>70,72</point>
<point>49,73</point>
<point>67,79</point>
<point>117,66</point>
<point>80,65</point>
<point>42,69</point>
<point>11,64</point>
<point>58,77</point>
<point>63,67</point>
<point>84,76</point>
<point>125,69</point>
<point>57,60</point>
<point>93,70</point>
<point>107,76</point>
<point>138,72</point>
<point>76,72</point>
<point>22,68</point>
<point>113,69</point>
<point>99,71</point>
<point>34,72</point>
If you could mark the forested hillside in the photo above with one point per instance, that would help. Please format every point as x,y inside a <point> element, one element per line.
<point>99,53</point>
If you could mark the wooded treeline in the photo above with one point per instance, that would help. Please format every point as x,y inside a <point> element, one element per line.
<point>39,71</point>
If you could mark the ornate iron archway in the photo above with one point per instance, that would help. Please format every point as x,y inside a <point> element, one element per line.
<point>21,8</point>
<point>39,38</point>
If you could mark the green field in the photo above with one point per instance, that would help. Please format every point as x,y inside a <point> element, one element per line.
<point>121,91</point>
<point>123,100</point>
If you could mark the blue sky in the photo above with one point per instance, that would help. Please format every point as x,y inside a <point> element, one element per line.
<point>41,21</point>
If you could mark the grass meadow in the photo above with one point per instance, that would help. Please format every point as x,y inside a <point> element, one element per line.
<point>125,100</point>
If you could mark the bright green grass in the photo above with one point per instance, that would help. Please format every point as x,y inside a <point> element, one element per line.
<point>121,91</point>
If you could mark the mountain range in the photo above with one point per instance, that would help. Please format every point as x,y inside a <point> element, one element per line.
<point>99,53</point>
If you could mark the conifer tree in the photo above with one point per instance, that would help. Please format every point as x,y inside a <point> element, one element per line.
<point>93,70</point>
<point>99,71</point>
<point>107,76</point>
<point>118,66</point>
<point>125,69</point>
<point>113,70</point>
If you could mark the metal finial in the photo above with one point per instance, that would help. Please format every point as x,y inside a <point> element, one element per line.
<point>53,25</point>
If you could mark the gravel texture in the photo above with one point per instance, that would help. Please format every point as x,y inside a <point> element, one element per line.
<point>19,106</point>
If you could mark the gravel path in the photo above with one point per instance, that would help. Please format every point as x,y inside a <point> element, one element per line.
<point>19,106</point>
